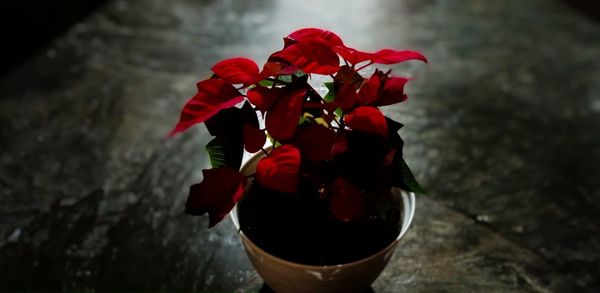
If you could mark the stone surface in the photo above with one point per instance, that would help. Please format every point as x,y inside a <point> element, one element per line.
<point>502,126</point>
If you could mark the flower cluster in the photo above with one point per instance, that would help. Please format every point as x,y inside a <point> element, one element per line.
<point>339,144</point>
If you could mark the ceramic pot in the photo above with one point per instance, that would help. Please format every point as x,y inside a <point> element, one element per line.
<point>284,276</point>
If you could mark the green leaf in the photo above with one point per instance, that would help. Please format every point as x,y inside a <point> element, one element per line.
<point>216,153</point>
<point>339,112</point>
<point>299,73</point>
<point>306,118</point>
<point>227,148</point>
<point>409,179</point>
<point>225,152</point>
<point>285,78</point>
<point>330,94</point>
<point>266,83</point>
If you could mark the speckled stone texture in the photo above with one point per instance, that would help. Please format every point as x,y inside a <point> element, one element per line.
<point>502,127</point>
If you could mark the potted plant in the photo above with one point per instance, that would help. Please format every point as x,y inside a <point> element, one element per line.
<point>320,205</point>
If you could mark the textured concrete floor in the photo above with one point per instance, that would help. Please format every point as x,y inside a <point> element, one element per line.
<point>503,127</point>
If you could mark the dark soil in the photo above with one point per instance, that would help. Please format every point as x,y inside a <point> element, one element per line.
<point>300,228</point>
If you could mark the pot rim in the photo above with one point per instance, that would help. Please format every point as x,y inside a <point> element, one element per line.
<point>408,202</point>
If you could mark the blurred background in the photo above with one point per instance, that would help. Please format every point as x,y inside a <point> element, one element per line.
<point>502,127</point>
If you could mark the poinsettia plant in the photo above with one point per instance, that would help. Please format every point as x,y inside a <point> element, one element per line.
<point>339,144</point>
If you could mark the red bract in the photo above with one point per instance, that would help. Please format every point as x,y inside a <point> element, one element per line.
<point>389,56</point>
<point>367,119</point>
<point>379,90</point>
<point>339,147</point>
<point>311,56</point>
<point>346,202</point>
<point>263,98</point>
<point>385,56</point>
<point>282,119</point>
<point>352,55</point>
<point>392,92</point>
<point>314,142</point>
<point>279,171</point>
<point>213,95</point>
<point>237,70</point>
<point>369,92</point>
<point>254,138</point>
<point>312,33</point>
<point>346,97</point>
<point>273,68</point>
<point>216,194</point>
<point>382,90</point>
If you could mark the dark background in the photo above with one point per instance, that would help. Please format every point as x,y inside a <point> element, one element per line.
<point>29,25</point>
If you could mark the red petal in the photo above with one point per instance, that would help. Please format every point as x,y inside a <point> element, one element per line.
<point>352,55</point>
<point>254,138</point>
<point>311,56</point>
<point>213,95</point>
<point>312,33</point>
<point>314,141</point>
<point>369,92</point>
<point>346,202</point>
<point>279,171</point>
<point>275,69</point>
<point>282,119</point>
<point>216,195</point>
<point>237,70</point>
<point>393,92</point>
<point>389,56</point>
<point>367,119</point>
<point>347,97</point>
<point>263,98</point>
<point>339,147</point>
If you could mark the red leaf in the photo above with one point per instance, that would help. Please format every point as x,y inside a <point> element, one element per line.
<point>392,92</point>
<point>312,33</point>
<point>216,195</point>
<point>347,97</point>
<point>282,119</point>
<point>346,202</point>
<point>213,95</point>
<point>264,98</point>
<point>352,55</point>
<point>254,138</point>
<point>367,119</point>
<point>279,171</point>
<point>314,142</point>
<point>311,56</point>
<point>369,92</point>
<point>273,68</point>
<point>389,56</point>
<point>237,70</point>
<point>385,56</point>
<point>339,147</point>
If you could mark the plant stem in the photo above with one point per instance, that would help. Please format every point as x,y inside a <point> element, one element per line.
<point>265,152</point>
<point>362,67</point>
